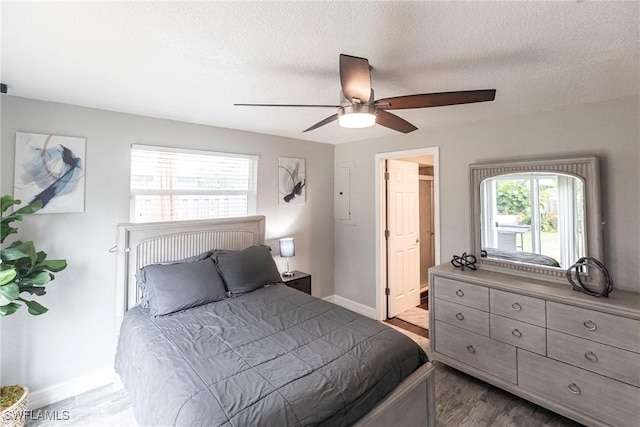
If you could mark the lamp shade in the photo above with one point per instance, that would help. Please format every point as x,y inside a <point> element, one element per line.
<point>287,247</point>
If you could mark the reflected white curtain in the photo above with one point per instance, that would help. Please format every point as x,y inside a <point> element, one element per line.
<point>570,220</point>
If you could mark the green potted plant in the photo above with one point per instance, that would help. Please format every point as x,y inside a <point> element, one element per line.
<point>23,270</point>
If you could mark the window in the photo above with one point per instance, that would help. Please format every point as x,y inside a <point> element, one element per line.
<point>537,212</point>
<point>170,184</point>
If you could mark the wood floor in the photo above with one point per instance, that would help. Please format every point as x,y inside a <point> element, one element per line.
<point>461,400</point>
<point>408,326</point>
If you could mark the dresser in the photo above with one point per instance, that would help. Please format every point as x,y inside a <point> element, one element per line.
<point>572,353</point>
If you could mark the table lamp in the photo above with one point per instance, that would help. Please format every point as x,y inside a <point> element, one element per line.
<point>287,250</point>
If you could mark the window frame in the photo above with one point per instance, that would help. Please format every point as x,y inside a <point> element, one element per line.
<point>251,192</point>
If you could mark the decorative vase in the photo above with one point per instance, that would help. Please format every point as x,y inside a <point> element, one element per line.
<point>15,415</point>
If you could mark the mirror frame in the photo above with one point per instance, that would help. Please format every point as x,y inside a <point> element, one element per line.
<point>587,168</point>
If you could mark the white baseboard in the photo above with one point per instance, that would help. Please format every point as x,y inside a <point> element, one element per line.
<point>365,310</point>
<point>64,390</point>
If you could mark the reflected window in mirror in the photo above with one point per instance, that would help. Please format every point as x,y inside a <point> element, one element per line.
<point>536,217</point>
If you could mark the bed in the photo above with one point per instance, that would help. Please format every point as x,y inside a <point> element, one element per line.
<point>269,356</point>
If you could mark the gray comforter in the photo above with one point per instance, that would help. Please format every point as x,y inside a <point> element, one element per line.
<point>275,357</point>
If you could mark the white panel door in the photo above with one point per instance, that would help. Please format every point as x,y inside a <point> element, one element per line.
<point>403,243</point>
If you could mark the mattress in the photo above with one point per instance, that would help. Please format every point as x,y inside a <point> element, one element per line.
<point>274,356</point>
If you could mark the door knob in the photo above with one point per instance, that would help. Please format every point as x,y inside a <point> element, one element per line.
<point>417,240</point>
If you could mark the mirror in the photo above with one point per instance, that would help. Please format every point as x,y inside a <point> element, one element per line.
<point>536,218</point>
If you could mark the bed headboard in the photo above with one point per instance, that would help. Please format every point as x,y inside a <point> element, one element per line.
<point>139,244</point>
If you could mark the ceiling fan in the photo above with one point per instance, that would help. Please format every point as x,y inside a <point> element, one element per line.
<point>358,109</point>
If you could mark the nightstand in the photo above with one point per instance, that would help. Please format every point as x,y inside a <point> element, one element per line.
<point>300,281</point>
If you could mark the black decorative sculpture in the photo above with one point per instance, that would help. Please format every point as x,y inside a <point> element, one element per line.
<point>574,272</point>
<point>463,261</point>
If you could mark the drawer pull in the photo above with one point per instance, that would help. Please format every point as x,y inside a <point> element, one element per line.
<point>573,388</point>
<point>459,316</point>
<point>591,356</point>
<point>590,325</point>
<point>460,293</point>
<point>471,350</point>
<point>516,306</point>
<point>516,333</point>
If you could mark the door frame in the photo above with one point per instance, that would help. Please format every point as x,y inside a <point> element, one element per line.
<point>380,216</point>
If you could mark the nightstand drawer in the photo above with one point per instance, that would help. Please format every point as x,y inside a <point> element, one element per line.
<point>300,281</point>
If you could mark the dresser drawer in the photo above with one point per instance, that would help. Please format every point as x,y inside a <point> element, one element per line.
<point>613,362</point>
<point>608,400</point>
<point>593,325</point>
<point>520,334</point>
<point>518,307</point>
<point>485,354</point>
<point>462,293</point>
<point>462,316</point>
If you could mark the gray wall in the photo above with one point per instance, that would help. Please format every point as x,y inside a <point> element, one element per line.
<point>608,129</point>
<point>76,337</point>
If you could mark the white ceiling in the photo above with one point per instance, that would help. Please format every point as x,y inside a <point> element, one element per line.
<point>192,61</point>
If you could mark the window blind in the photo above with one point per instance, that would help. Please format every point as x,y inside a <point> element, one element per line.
<point>171,184</point>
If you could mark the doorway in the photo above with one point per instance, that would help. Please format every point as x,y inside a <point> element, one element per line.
<point>426,164</point>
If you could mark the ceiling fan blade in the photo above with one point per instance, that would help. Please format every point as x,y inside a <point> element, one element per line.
<point>322,123</point>
<point>287,105</point>
<point>436,99</point>
<point>355,78</point>
<point>394,122</point>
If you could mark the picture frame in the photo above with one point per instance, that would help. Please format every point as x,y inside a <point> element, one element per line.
<point>51,169</point>
<point>292,189</point>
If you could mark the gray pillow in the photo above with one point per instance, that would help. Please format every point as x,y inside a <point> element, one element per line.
<point>141,277</point>
<point>175,287</point>
<point>247,270</point>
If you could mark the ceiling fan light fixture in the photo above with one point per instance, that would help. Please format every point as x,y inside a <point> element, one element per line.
<point>357,120</point>
<point>359,109</point>
<point>357,116</point>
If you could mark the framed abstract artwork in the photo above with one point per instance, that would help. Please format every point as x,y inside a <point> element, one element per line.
<point>51,169</point>
<point>291,184</point>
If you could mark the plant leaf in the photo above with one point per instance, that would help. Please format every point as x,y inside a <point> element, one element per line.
<point>35,308</point>
<point>8,309</point>
<point>54,265</point>
<point>30,208</point>
<point>7,219</point>
<point>6,231</point>
<point>31,250</point>
<point>7,201</point>
<point>33,290</point>
<point>14,253</point>
<point>9,293</point>
<point>39,279</point>
<point>6,276</point>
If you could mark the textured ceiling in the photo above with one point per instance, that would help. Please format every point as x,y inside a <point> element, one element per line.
<point>191,61</point>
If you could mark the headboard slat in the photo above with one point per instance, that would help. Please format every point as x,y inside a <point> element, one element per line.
<point>178,246</point>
